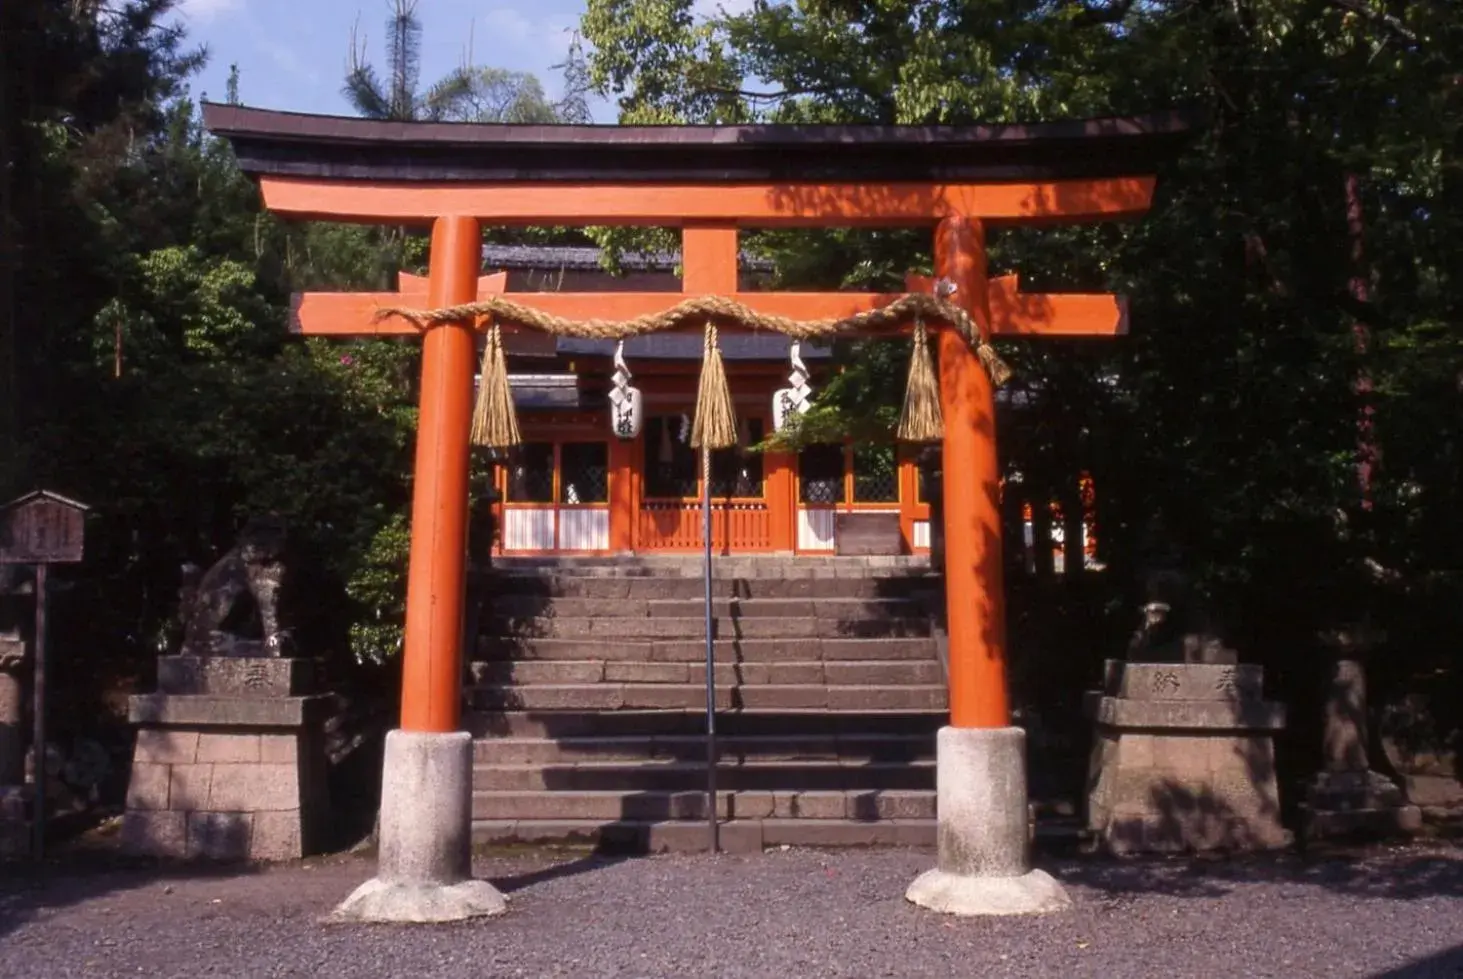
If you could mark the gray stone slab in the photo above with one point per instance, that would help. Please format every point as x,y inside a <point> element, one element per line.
<point>236,676</point>
<point>1188,682</point>
<point>1261,715</point>
<point>217,711</point>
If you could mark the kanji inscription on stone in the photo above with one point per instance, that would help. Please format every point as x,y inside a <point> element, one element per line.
<point>1165,681</point>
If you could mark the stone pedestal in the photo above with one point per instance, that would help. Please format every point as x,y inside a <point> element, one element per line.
<point>1183,759</point>
<point>1346,797</point>
<point>229,762</point>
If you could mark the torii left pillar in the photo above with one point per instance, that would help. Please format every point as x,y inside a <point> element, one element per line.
<point>423,871</point>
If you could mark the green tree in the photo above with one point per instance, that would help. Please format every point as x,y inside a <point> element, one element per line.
<point>468,93</point>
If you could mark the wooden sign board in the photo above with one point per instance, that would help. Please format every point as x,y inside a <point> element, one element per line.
<point>867,533</point>
<point>41,528</point>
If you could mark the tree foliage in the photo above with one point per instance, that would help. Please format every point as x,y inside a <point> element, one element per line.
<point>1232,408</point>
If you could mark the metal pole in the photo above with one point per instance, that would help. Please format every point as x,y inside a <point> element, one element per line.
<point>38,793</point>
<point>710,653</point>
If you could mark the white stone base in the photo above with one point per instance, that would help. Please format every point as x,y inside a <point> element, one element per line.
<point>984,864</point>
<point>378,901</point>
<point>423,871</point>
<point>1035,892</point>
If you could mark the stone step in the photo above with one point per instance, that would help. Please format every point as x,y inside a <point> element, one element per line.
<point>731,774</point>
<point>691,722</point>
<point>684,696</point>
<point>723,627</point>
<point>692,747</point>
<point>617,804</point>
<point>685,836</point>
<point>530,672</point>
<point>847,609</point>
<point>645,587</point>
<point>694,650</point>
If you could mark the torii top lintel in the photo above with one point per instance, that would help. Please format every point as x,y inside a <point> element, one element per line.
<point>346,169</point>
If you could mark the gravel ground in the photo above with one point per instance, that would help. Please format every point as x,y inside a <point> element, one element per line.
<point>788,914</point>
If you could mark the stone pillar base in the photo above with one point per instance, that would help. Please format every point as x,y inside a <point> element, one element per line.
<point>424,866</point>
<point>984,857</point>
<point>15,835</point>
<point>1341,804</point>
<point>227,778</point>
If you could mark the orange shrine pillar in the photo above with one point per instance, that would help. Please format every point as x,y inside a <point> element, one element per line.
<point>975,590</point>
<point>624,495</point>
<point>423,869</point>
<point>984,863</point>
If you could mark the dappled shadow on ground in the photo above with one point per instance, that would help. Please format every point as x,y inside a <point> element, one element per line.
<point>81,873</point>
<point>1407,875</point>
<point>1447,964</point>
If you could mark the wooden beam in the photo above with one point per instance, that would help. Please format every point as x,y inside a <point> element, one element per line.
<point>1013,313</point>
<point>744,205</point>
<point>1067,314</point>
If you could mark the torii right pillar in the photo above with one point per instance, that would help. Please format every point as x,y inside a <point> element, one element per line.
<point>984,862</point>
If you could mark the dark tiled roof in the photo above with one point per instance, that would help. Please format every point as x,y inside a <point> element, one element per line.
<point>341,148</point>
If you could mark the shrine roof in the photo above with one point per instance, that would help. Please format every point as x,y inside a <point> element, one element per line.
<point>268,142</point>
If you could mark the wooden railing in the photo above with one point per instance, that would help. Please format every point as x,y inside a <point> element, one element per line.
<point>676,526</point>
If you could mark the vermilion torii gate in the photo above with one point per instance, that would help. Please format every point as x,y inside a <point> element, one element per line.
<point>710,182</point>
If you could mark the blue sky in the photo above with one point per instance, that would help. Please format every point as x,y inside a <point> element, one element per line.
<point>292,53</point>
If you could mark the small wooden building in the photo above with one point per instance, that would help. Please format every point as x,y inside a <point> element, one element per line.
<point>574,487</point>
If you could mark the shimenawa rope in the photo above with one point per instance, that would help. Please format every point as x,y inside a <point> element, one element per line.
<point>495,424</point>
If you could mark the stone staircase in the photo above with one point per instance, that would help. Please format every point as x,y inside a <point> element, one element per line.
<point>589,690</point>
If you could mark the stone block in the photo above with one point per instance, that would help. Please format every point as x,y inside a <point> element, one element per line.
<point>1119,712</point>
<point>279,749</point>
<point>164,747</point>
<point>155,833</point>
<point>216,711</point>
<point>148,786</point>
<point>1180,753</point>
<point>237,676</point>
<point>809,805</point>
<point>219,835</point>
<point>189,787</point>
<point>1189,682</point>
<point>277,836</point>
<point>229,748</point>
<point>1133,750</point>
<point>254,787</point>
<point>1433,790</point>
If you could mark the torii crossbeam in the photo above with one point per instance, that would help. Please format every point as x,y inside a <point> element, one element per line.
<point>711,182</point>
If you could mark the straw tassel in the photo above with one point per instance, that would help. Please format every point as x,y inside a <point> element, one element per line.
<point>997,368</point>
<point>494,422</point>
<point>716,420</point>
<point>921,420</point>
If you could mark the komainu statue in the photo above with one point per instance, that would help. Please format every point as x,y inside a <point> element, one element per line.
<point>233,608</point>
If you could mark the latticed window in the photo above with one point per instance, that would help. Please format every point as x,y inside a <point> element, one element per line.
<point>671,467</point>
<point>820,474</point>
<point>735,472</point>
<point>875,474</point>
<point>531,473</point>
<point>584,472</point>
